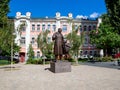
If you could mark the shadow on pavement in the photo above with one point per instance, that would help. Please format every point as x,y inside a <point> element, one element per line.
<point>5,67</point>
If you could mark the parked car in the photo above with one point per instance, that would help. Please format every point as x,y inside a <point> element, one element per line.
<point>117,55</point>
<point>85,57</point>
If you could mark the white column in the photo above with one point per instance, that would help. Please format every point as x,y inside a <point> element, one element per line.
<point>17,39</point>
<point>27,37</point>
<point>57,20</point>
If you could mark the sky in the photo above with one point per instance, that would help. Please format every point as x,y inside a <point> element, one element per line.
<point>43,8</point>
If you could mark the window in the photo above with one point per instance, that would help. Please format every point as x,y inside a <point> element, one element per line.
<point>80,28</point>
<point>33,40</point>
<point>86,41</point>
<point>48,27</point>
<point>38,54</point>
<point>64,28</point>
<point>85,52</point>
<point>91,52</point>
<point>38,27</point>
<point>94,27</point>
<point>95,53</point>
<point>22,41</point>
<point>23,28</point>
<point>54,27</point>
<point>76,27</point>
<point>33,27</point>
<point>23,25</point>
<point>43,27</point>
<point>85,28</point>
<point>49,39</point>
<point>89,28</point>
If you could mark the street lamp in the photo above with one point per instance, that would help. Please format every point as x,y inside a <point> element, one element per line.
<point>12,42</point>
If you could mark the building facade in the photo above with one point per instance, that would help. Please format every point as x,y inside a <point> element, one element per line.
<point>32,27</point>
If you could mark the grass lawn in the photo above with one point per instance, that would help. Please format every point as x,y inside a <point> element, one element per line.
<point>4,62</point>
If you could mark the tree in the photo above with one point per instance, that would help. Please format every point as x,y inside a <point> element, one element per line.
<point>113,10</point>
<point>44,43</point>
<point>30,53</point>
<point>7,38</point>
<point>4,9</point>
<point>6,30</point>
<point>105,37</point>
<point>76,41</point>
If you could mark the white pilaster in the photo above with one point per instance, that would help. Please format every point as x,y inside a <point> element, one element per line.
<point>27,38</point>
<point>57,20</point>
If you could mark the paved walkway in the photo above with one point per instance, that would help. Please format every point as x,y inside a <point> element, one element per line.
<point>36,77</point>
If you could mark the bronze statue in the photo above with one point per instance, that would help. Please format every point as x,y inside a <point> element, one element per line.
<point>66,49</point>
<point>58,44</point>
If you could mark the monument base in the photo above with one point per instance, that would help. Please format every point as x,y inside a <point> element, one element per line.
<point>60,66</point>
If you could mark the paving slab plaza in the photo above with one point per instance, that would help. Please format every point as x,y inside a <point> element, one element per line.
<point>38,77</point>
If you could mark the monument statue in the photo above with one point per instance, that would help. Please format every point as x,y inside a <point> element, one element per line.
<point>66,48</point>
<point>58,44</point>
<point>59,47</point>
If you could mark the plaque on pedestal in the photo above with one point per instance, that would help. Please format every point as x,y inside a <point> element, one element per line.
<point>60,66</point>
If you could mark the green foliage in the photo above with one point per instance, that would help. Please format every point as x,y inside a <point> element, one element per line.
<point>7,39</point>
<point>6,29</point>
<point>35,61</point>
<point>44,44</point>
<point>107,59</point>
<point>71,60</point>
<point>75,40</point>
<point>113,10</point>
<point>82,60</point>
<point>4,9</point>
<point>105,37</point>
<point>104,59</point>
<point>99,59</point>
<point>30,53</point>
<point>4,62</point>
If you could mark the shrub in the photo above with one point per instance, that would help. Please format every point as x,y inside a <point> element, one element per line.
<point>82,60</point>
<point>107,58</point>
<point>49,56</point>
<point>71,60</point>
<point>35,61</point>
<point>4,62</point>
<point>99,59</point>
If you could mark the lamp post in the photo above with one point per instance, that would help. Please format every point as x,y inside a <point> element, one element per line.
<point>12,42</point>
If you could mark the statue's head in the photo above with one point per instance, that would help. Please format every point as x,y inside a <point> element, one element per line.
<point>59,30</point>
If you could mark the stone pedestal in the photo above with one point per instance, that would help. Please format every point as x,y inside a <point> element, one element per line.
<point>60,66</point>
